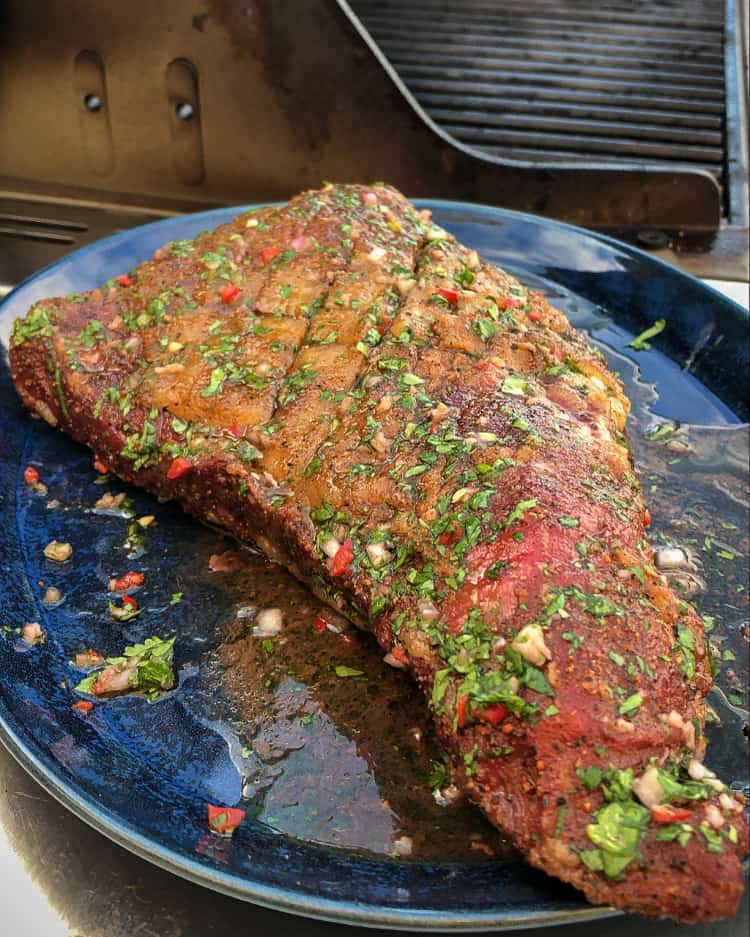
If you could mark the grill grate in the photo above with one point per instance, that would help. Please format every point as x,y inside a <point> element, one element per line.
<point>604,81</point>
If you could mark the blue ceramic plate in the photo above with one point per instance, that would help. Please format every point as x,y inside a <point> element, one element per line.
<point>142,773</point>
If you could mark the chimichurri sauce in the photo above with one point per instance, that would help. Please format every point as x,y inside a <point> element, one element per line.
<point>337,746</point>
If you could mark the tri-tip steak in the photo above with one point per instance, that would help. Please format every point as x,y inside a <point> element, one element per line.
<point>436,451</point>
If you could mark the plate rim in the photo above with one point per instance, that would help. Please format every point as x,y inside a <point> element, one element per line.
<point>286,900</point>
<point>275,898</point>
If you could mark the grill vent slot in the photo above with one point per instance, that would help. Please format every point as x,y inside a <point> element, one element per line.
<point>601,81</point>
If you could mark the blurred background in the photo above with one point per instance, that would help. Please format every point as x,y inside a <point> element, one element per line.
<point>627,116</point>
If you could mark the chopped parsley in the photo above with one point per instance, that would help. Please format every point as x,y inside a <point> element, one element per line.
<point>343,671</point>
<point>631,704</point>
<point>516,386</point>
<point>149,668</point>
<point>618,828</point>
<point>640,342</point>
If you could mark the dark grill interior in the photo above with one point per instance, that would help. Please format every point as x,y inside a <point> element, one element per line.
<point>565,81</point>
<point>626,116</point>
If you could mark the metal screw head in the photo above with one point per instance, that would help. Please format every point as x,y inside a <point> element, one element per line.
<point>185,110</point>
<point>653,238</point>
<point>92,102</point>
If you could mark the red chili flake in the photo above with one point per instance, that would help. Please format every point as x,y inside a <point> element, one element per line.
<point>268,254</point>
<point>452,535</point>
<point>31,476</point>
<point>381,329</point>
<point>124,280</point>
<point>535,316</point>
<point>100,466</point>
<point>664,814</point>
<point>343,558</point>
<point>179,467</point>
<point>224,820</point>
<point>493,714</point>
<point>83,706</point>
<point>512,303</point>
<point>229,292</point>
<point>128,580</point>
<point>398,652</point>
<point>320,625</point>
<point>129,600</point>
<point>461,711</point>
<point>647,518</point>
<point>450,294</point>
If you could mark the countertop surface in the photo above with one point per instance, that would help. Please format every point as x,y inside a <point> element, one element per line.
<point>60,878</point>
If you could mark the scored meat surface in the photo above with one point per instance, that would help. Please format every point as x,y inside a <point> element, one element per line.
<point>437,452</point>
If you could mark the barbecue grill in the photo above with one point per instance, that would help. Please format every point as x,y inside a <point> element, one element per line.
<point>625,117</point>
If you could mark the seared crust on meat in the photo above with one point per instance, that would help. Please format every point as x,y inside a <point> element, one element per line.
<point>437,452</point>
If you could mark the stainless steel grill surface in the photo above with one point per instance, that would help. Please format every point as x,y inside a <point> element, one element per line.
<point>565,80</point>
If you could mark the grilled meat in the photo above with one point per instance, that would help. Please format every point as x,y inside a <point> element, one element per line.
<point>437,452</point>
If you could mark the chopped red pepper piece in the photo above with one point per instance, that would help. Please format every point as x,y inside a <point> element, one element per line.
<point>268,254</point>
<point>647,518</point>
<point>31,476</point>
<point>343,558</point>
<point>320,625</point>
<point>83,706</point>
<point>124,280</point>
<point>179,467</point>
<point>129,600</point>
<point>451,535</point>
<point>512,303</point>
<point>557,352</point>
<point>224,820</point>
<point>236,430</point>
<point>665,814</point>
<point>129,580</point>
<point>100,466</point>
<point>535,316</point>
<point>450,294</point>
<point>398,652</point>
<point>493,714</point>
<point>229,292</point>
<point>461,711</point>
